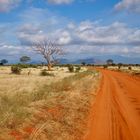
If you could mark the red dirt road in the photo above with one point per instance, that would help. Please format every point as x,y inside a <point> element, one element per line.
<point>116,112</point>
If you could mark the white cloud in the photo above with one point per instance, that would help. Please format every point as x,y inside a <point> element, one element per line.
<point>7,5</point>
<point>60,1</point>
<point>11,50</point>
<point>87,36</point>
<point>84,37</point>
<point>90,37</point>
<point>115,33</point>
<point>129,5</point>
<point>35,26</point>
<point>65,37</point>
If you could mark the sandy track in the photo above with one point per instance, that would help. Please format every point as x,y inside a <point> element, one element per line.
<point>116,112</point>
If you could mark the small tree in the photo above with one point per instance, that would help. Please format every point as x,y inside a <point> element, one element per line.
<point>120,65</point>
<point>71,68</point>
<point>15,69</point>
<point>25,59</point>
<point>105,66</point>
<point>78,69</point>
<point>109,62</point>
<point>130,68</point>
<point>3,61</point>
<point>83,63</point>
<point>48,50</point>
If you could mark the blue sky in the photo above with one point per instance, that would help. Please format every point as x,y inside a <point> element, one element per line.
<point>85,28</point>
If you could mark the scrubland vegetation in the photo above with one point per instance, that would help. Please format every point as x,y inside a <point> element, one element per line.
<point>49,107</point>
<point>131,69</point>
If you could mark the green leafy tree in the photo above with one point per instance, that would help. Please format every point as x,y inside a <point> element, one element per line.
<point>25,59</point>
<point>83,63</point>
<point>109,62</point>
<point>3,61</point>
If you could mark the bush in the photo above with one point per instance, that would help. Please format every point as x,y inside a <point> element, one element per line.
<point>130,68</point>
<point>33,66</point>
<point>23,65</point>
<point>27,66</point>
<point>71,68</point>
<point>15,69</point>
<point>78,69</point>
<point>119,67</point>
<point>105,66</point>
<point>45,73</point>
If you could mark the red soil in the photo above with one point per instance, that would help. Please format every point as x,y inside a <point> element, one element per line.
<point>116,112</point>
<point>16,135</point>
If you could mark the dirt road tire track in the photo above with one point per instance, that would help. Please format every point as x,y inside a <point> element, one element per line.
<point>116,112</point>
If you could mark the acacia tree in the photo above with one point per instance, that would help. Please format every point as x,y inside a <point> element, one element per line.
<point>83,63</point>
<point>3,61</point>
<point>25,59</point>
<point>49,50</point>
<point>109,62</point>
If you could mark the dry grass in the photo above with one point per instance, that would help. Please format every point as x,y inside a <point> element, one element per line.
<point>12,84</point>
<point>45,108</point>
<point>132,70</point>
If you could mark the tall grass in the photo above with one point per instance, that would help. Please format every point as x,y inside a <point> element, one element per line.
<point>55,111</point>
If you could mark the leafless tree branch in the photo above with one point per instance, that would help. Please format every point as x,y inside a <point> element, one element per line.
<point>48,49</point>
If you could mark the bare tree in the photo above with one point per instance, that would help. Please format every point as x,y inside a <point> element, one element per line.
<point>49,50</point>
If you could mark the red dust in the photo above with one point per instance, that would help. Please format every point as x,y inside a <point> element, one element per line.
<point>29,129</point>
<point>16,134</point>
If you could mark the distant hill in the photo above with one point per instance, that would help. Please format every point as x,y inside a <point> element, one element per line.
<point>120,59</point>
<point>79,61</point>
<point>88,61</point>
<point>97,60</point>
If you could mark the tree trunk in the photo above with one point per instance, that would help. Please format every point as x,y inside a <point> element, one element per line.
<point>49,67</point>
<point>47,57</point>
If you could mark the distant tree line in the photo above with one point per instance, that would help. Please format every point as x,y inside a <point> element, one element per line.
<point>25,59</point>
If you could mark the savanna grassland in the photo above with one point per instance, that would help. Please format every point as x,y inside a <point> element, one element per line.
<point>133,71</point>
<point>53,107</point>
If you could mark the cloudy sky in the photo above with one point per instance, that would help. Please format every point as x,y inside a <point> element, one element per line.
<point>85,28</point>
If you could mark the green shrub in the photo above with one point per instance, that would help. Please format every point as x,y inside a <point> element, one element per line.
<point>105,66</point>
<point>78,69</point>
<point>23,66</point>
<point>71,68</point>
<point>15,69</point>
<point>130,68</point>
<point>33,66</point>
<point>45,73</point>
<point>119,67</point>
<point>27,65</point>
